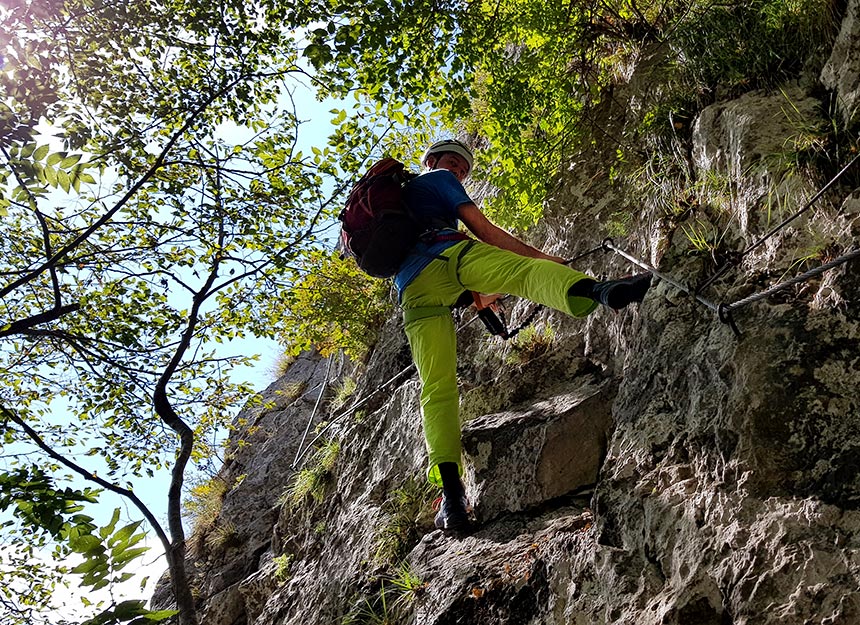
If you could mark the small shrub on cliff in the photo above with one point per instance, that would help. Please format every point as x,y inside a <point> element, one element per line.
<point>747,44</point>
<point>334,307</point>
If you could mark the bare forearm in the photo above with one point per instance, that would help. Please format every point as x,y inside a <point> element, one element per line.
<point>507,241</point>
<point>490,233</point>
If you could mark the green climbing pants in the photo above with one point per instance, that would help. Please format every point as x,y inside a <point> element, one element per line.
<point>471,266</point>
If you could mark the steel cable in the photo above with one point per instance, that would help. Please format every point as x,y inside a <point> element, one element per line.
<point>609,245</point>
<point>778,227</point>
<point>728,308</point>
<point>323,388</point>
<point>724,311</point>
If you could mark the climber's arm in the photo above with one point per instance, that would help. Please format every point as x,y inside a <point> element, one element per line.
<point>488,232</point>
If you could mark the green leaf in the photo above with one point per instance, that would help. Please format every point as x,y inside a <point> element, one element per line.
<point>87,566</point>
<point>154,617</point>
<point>70,161</point>
<point>51,176</point>
<point>108,529</point>
<point>121,558</point>
<point>63,180</point>
<point>86,544</point>
<point>40,153</point>
<point>123,534</point>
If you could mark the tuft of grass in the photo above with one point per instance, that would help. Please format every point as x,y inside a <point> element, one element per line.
<point>401,530</point>
<point>817,251</point>
<point>343,392</point>
<point>283,563</point>
<point>820,144</point>
<point>372,610</point>
<point>704,237</point>
<point>391,602</point>
<point>282,364</point>
<point>529,344</point>
<point>222,536</point>
<point>618,225</point>
<point>313,480</point>
<point>293,390</point>
<point>408,583</point>
<point>202,507</point>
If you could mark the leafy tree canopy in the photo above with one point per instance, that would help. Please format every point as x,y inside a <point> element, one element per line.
<point>532,80</point>
<point>157,197</point>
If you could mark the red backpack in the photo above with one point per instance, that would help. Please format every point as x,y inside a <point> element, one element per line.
<point>378,228</point>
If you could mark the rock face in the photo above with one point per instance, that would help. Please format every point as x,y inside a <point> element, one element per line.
<point>842,71</point>
<point>519,459</point>
<point>641,467</point>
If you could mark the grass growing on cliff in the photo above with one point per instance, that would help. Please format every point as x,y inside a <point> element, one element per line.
<point>390,601</point>
<point>201,508</point>
<point>282,364</point>
<point>402,528</point>
<point>820,144</point>
<point>529,344</point>
<point>283,563</point>
<point>343,392</point>
<point>313,481</point>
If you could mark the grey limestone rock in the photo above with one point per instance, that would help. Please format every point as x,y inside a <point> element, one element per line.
<point>553,447</point>
<point>841,73</point>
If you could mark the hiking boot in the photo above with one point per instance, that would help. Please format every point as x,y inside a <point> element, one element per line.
<point>617,294</point>
<point>453,514</point>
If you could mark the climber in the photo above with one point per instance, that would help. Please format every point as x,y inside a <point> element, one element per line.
<point>438,272</point>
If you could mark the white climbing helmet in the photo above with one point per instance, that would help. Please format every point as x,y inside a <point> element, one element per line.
<point>448,145</point>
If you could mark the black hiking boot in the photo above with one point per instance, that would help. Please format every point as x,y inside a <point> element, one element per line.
<point>453,513</point>
<point>617,294</point>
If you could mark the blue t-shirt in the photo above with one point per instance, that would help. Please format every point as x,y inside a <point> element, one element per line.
<point>434,197</point>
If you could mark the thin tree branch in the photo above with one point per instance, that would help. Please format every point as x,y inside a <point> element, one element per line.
<point>46,237</point>
<point>87,475</point>
<point>150,172</point>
